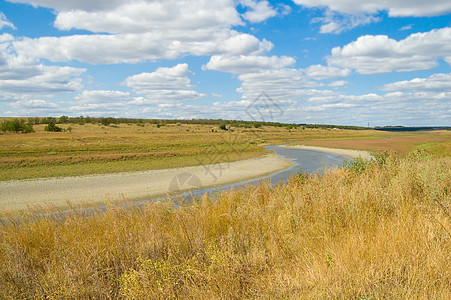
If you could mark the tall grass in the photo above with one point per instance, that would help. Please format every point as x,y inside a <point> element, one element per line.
<point>378,232</point>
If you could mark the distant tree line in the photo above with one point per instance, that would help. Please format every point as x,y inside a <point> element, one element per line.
<point>335,126</point>
<point>111,120</point>
<point>402,128</point>
<point>23,126</point>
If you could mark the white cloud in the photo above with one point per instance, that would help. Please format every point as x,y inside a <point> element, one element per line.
<point>134,48</point>
<point>319,72</point>
<point>435,82</point>
<point>407,27</point>
<point>101,103</point>
<point>342,15</point>
<point>102,96</point>
<point>280,84</point>
<point>163,85</point>
<point>337,23</point>
<point>136,31</point>
<point>4,22</point>
<point>304,101</point>
<point>22,76</point>
<point>396,108</point>
<point>74,4</point>
<point>46,81</point>
<point>50,80</point>
<point>339,83</point>
<point>379,54</point>
<point>247,64</point>
<point>258,11</point>
<point>36,107</point>
<point>34,104</point>
<point>150,16</point>
<point>395,8</point>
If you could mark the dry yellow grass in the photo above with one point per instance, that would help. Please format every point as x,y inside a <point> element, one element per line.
<point>377,232</point>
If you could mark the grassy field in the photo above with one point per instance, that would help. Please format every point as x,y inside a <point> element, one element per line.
<point>376,230</point>
<point>94,149</point>
<point>97,149</point>
<point>370,230</point>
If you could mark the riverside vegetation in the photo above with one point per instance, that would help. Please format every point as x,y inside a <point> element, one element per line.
<point>367,230</point>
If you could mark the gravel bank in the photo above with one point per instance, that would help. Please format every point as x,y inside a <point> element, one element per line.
<point>20,194</point>
<point>345,152</point>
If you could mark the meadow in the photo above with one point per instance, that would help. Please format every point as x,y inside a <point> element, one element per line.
<point>376,229</point>
<point>98,149</point>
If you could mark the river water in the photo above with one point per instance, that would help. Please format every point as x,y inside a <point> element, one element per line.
<point>305,161</point>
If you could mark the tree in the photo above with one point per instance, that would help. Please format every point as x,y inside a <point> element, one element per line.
<point>223,126</point>
<point>52,127</point>
<point>17,126</point>
<point>63,119</point>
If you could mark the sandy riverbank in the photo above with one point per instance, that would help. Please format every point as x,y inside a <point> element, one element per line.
<point>345,152</point>
<point>20,194</point>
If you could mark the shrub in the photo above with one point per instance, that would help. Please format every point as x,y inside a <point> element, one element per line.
<point>17,126</point>
<point>223,126</point>
<point>52,127</point>
<point>63,119</point>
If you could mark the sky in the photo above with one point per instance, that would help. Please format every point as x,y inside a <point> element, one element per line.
<point>343,62</point>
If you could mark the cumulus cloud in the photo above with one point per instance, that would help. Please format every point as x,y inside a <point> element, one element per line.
<point>319,72</point>
<point>163,85</point>
<point>149,16</point>
<point>258,11</point>
<point>306,101</point>
<point>50,80</point>
<point>136,31</point>
<point>247,64</point>
<point>380,54</point>
<point>22,76</point>
<point>74,4</point>
<point>35,107</point>
<point>280,84</point>
<point>101,103</point>
<point>342,15</point>
<point>29,81</point>
<point>134,48</point>
<point>395,8</point>
<point>34,104</point>
<point>435,82</point>
<point>4,22</point>
<point>418,108</point>
<point>102,96</point>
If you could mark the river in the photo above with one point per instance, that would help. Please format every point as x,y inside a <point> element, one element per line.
<point>305,161</point>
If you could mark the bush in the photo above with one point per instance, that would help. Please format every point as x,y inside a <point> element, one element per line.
<point>223,126</point>
<point>52,127</point>
<point>17,126</point>
<point>63,119</point>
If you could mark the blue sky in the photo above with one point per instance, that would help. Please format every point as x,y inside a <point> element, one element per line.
<point>347,62</point>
